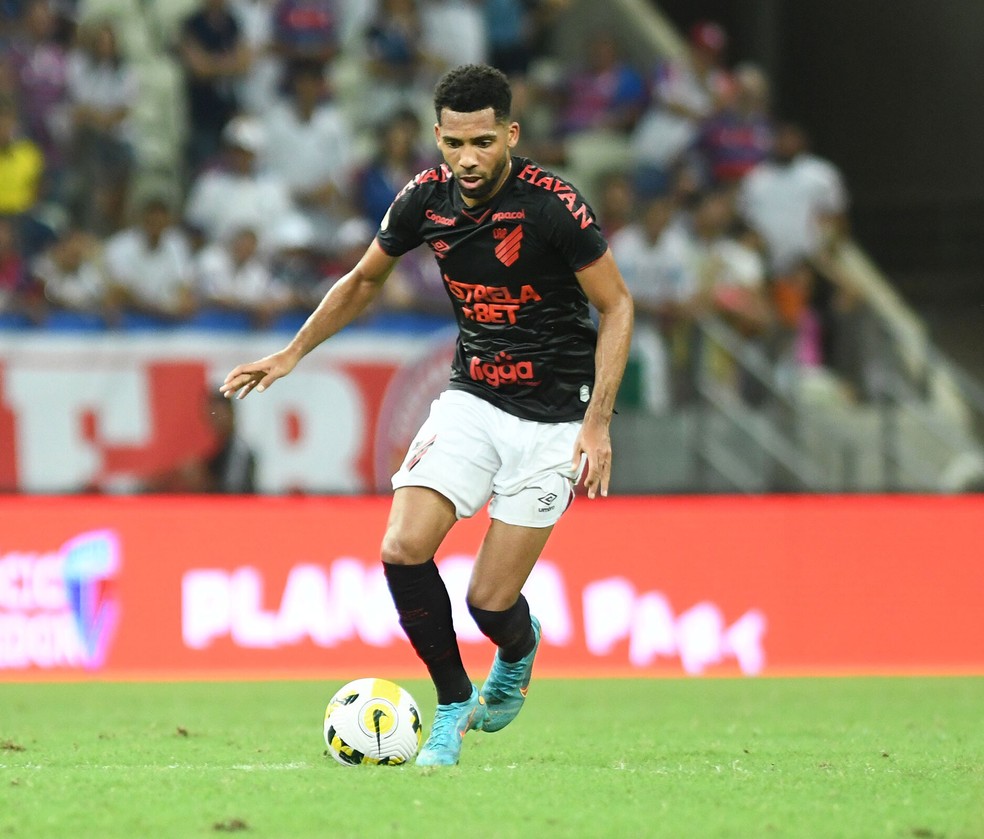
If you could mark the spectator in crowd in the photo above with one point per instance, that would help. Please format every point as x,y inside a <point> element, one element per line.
<point>306,30</point>
<point>308,145</point>
<point>658,259</point>
<point>240,193</point>
<point>515,30</point>
<point>453,33</point>
<point>14,297</point>
<point>71,274</point>
<point>233,275</point>
<point>10,14</point>
<point>216,59</point>
<point>682,93</point>
<point>296,262</point>
<point>398,64</point>
<point>227,465</point>
<point>231,467</point>
<point>149,267</point>
<point>739,135</point>
<point>510,26</point>
<point>103,90</point>
<point>396,160</point>
<point>616,205</point>
<point>730,266</point>
<point>798,340</point>
<point>38,66</point>
<point>259,86</point>
<point>796,201</point>
<point>22,171</point>
<point>21,165</point>
<point>607,94</point>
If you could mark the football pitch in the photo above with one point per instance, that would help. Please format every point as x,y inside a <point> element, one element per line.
<point>875,757</point>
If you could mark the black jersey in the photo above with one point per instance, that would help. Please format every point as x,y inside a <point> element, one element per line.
<point>526,341</point>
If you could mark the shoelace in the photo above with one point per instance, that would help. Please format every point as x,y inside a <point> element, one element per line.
<point>508,677</point>
<point>444,730</point>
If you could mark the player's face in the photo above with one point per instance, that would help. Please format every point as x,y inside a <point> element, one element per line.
<point>477,148</point>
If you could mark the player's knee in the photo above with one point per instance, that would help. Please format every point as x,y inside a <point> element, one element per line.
<point>397,549</point>
<point>489,597</point>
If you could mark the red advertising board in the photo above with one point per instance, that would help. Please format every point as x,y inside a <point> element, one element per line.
<point>166,587</point>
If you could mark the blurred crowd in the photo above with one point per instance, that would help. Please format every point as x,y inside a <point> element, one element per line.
<point>220,163</point>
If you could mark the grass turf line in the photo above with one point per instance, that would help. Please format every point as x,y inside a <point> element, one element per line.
<point>594,758</point>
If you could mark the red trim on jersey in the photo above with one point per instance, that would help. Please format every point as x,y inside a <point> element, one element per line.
<point>593,261</point>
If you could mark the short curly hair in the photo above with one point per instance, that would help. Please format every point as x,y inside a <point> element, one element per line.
<point>474,87</point>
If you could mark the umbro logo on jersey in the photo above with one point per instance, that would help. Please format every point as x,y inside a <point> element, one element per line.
<point>440,248</point>
<point>507,251</point>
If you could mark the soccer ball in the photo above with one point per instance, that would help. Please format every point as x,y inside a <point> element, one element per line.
<point>372,721</point>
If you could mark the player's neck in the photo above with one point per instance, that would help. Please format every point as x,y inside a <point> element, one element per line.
<point>470,202</point>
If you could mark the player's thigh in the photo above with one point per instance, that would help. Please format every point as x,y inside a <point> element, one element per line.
<point>419,520</point>
<point>505,559</point>
<point>536,482</point>
<point>454,453</point>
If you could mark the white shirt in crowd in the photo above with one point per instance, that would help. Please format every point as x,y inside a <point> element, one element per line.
<point>158,276</point>
<point>786,204</point>
<point>83,288</point>
<point>222,202</point>
<point>656,272</point>
<point>249,285</point>
<point>454,31</point>
<point>308,154</point>
<point>102,86</point>
<point>662,134</point>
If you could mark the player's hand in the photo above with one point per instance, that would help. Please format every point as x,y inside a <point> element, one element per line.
<point>257,374</point>
<point>595,443</point>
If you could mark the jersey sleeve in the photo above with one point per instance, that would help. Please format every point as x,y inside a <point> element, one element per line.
<point>399,231</point>
<point>571,227</point>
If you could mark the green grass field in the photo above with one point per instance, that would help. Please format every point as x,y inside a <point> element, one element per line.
<point>622,758</point>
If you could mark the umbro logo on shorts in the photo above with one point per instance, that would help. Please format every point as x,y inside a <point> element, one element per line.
<point>547,501</point>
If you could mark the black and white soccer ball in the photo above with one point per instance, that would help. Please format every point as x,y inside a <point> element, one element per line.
<point>372,721</point>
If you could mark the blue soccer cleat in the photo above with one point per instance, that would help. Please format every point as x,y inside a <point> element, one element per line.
<point>504,691</point>
<point>451,723</point>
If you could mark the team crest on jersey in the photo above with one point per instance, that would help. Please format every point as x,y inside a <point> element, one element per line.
<point>507,251</point>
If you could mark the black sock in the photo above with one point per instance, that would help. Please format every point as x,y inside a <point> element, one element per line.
<point>424,607</point>
<point>511,630</point>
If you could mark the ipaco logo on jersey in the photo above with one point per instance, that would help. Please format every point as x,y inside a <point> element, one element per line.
<point>514,215</point>
<point>502,371</point>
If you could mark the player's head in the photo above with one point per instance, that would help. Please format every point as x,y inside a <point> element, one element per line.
<point>473,129</point>
<point>474,87</point>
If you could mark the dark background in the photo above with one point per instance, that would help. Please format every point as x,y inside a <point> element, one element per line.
<point>891,91</point>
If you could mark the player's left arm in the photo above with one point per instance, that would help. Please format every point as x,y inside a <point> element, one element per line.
<point>603,284</point>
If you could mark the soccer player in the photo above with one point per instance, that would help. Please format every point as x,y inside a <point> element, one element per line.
<point>530,399</point>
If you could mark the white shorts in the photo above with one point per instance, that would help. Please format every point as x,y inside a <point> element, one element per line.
<point>470,451</point>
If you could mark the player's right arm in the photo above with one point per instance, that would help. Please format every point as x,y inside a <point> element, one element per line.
<point>344,302</point>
